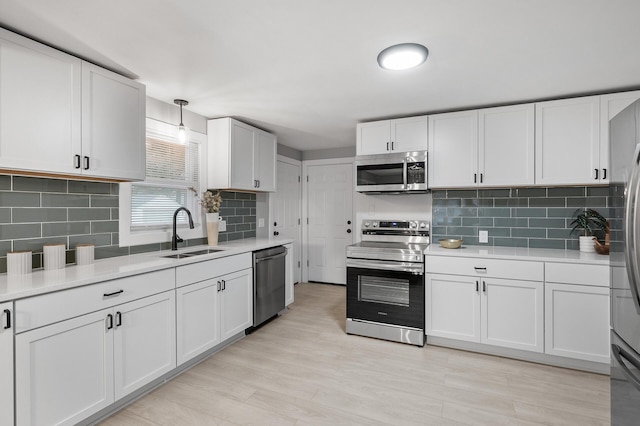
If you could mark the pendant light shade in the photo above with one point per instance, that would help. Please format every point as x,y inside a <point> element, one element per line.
<point>182,129</point>
<point>403,56</point>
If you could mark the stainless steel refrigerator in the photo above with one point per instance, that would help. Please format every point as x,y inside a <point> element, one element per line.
<point>625,266</point>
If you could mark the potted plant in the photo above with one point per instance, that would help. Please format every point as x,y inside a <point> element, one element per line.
<point>211,203</point>
<point>588,222</point>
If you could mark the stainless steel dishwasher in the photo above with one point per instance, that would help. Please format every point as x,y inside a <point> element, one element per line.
<point>268,283</point>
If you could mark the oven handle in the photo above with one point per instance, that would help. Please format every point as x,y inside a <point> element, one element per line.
<point>414,268</point>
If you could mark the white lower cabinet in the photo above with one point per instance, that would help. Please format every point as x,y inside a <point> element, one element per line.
<point>577,321</point>
<point>214,303</point>
<point>71,369</point>
<point>493,311</point>
<point>6,364</point>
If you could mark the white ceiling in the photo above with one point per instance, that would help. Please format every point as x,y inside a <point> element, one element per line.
<point>307,70</point>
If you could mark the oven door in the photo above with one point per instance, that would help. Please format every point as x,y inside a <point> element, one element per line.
<point>386,292</point>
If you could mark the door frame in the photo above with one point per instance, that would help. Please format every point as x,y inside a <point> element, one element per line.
<point>305,204</point>
<point>297,163</point>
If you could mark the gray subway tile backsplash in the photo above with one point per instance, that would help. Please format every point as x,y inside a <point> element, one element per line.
<point>521,217</point>
<point>35,211</point>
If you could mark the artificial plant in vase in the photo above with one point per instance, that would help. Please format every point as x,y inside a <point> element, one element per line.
<point>211,203</point>
<point>588,222</point>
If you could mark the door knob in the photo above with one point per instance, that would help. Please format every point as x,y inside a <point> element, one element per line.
<point>276,233</point>
<point>348,222</point>
<point>275,223</point>
<point>348,231</point>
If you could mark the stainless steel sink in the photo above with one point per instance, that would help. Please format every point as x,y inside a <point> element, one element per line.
<point>192,253</point>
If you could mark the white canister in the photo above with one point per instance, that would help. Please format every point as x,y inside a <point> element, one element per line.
<point>85,254</point>
<point>54,256</point>
<point>19,262</point>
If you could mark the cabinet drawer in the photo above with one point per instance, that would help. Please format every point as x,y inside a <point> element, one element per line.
<point>201,271</point>
<point>46,309</point>
<point>572,273</point>
<point>496,268</point>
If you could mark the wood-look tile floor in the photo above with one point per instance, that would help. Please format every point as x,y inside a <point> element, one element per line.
<point>303,369</point>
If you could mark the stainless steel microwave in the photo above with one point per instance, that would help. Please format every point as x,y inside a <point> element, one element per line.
<point>392,173</point>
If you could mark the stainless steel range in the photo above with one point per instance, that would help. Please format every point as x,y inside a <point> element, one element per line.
<point>385,281</point>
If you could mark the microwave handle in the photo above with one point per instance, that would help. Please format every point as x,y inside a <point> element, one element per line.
<point>405,174</point>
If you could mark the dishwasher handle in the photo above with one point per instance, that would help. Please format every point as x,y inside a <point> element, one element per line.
<point>262,259</point>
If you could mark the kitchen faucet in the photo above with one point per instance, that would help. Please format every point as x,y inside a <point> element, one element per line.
<point>175,239</point>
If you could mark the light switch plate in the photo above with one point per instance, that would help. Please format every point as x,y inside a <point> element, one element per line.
<point>222,225</point>
<point>261,222</point>
<point>483,236</point>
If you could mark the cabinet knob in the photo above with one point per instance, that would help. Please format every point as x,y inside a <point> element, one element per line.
<point>276,233</point>
<point>348,231</point>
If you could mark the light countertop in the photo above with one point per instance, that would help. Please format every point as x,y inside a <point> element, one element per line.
<point>40,282</point>
<point>519,253</point>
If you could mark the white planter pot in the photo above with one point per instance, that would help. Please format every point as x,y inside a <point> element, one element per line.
<point>586,244</point>
<point>212,228</point>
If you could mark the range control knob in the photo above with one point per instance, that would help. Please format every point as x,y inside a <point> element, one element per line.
<point>413,225</point>
<point>375,224</point>
<point>367,224</point>
<point>423,225</point>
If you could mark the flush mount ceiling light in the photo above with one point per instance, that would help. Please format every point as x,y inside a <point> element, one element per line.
<point>182,130</point>
<point>403,56</point>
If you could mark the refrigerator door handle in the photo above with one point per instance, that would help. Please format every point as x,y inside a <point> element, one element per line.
<point>619,354</point>
<point>631,238</point>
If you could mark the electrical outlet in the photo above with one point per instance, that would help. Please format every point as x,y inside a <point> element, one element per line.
<point>483,236</point>
<point>222,225</point>
<point>261,222</point>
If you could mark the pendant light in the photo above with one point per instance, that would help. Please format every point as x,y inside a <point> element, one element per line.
<point>402,56</point>
<point>182,130</point>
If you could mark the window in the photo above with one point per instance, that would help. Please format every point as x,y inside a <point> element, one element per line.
<point>174,178</point>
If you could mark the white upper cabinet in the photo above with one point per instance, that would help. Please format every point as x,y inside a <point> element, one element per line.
<point>113,125</point>
<point>610,105</point>
<point>240,156</point>
<point>568,142</point>
<point>453,150</point>
<point>40,106</point>
<point>387,136</point>
<point>61,115</point>
<point>506,145</point>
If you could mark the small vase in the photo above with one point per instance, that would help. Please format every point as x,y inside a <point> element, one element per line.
<point>212,228</point>
<point>586,244</point>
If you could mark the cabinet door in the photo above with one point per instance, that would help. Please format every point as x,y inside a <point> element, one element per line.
<point>6,364</point>
<point>64,371</point>
<point>568,141</point>
<point>113,125</point>
<point>409,134</point>
<point>373,138</point>
<point>198,312</point>
<point>452,307</point>
<point>506,145</point>
<point>610,105</point>
<point>288,275</point>
<point>265,161</point>
<point>513,314</point>
<point>236,303</point>
<point>40,95</point>
<point>242,156</point>
<point>577,321</point>
<point>144,341</point>
<point>453,150</point>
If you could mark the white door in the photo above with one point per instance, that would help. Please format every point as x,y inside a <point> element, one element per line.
<point>506,145</point>
<point>236,303</point>
<point>40,95</point>
<point>286,205</point>
<point>197,313</point>
<point>330,214</point>
<point>265,160</point>
<point>453,150</point>
<point>64,371</point>
<point>373,138</point>
<point>6,364</point>
<point>110,150</point>
<point>409,134</point>
<point>452,307</point>
<point>577,321</point>
<point>513,314</point>
<point>144,341</point>
<point>568,141</point>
